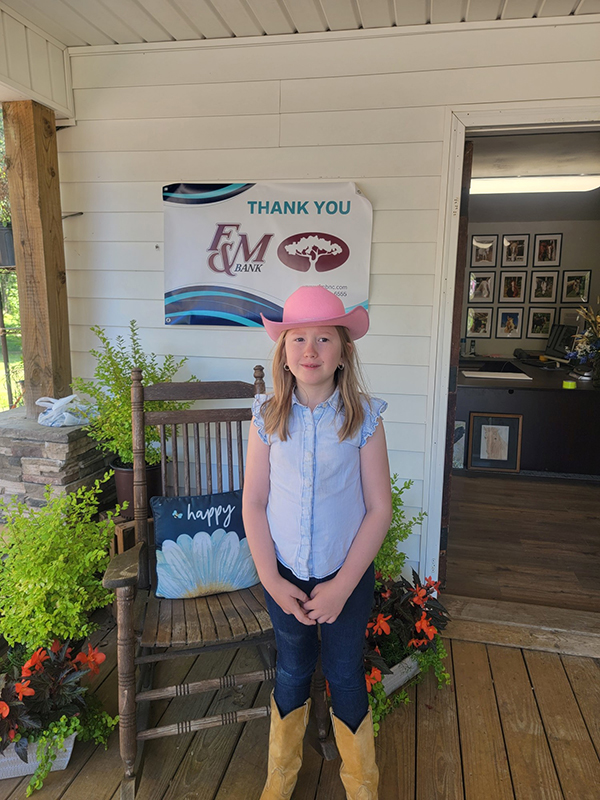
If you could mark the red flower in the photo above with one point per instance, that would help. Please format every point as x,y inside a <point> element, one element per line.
<point>417,642</point>
<point>424,626</point>
<point>327,689</point>
<point>36,662</point>
<point>386,595</point>
<point>4,709</point>
<point>55,646</point>
<point>378,575</point>
<point>92,659</point>
<point>432,585</point>
<point>380,624</point>
<point>11,734</point>
<point>420,596</point>
<point>23,690</point>
<point>373,678</point>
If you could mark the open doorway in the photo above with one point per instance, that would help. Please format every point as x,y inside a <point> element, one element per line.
<point>524,510</point>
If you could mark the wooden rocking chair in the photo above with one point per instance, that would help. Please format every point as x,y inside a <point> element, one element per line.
<point>151,629</point>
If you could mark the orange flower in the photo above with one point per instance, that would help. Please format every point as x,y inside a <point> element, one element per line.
<point>23,690</point>
<point>417,642</point>
<point>420,596</point>
<point>431,584</point>
<point>36,662</point>
<point>380,624</point>
<point>386,595</point>
<point>378,575</point>
<point>55,646</point>
<point>92,659</point>
<point>12,733</point>
<point>4,709</point>
<point>327,689</point>
<point>424,626</point>
<point>373,678</point>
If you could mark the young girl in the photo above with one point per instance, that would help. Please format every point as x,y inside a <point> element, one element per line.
<point>317,505</point>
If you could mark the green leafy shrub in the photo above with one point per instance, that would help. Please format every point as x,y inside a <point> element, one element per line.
<point>390,560</point>
<point>110,390</point>
<point>51,562</point>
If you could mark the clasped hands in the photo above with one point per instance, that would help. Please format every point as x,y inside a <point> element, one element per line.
<point>324,605</point>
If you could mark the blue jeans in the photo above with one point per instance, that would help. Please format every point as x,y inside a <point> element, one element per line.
<point>342,645</point>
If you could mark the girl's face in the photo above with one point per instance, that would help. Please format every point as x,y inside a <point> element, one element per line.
<point>313,355</point>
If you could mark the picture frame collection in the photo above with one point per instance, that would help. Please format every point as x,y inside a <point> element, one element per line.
<point>505,273</point>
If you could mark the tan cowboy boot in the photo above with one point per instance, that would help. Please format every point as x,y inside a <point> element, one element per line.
<point>359,772</point>
<point>285,751</point>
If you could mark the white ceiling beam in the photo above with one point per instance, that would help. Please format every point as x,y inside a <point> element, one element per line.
<point>410,13</point>
<point>375,13</point>
<point>448,10</point>
<point>63,17</point>
<point>341,15</point>
<point>204,18</point>
<point>135,17</point>
<point>557,8</point>
<point>519,9</point>
<point>307,15</point>
<point>272,16</point>
<point>102,19</point>
<point>236,15</point>
<point>484,10</point>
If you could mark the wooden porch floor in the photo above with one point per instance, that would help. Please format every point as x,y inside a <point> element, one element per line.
<point>516,724</point>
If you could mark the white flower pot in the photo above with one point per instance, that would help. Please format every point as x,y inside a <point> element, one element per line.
<point>401,674</point>
<point>11,765</point>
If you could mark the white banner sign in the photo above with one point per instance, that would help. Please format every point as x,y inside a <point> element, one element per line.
<point>233,251</point>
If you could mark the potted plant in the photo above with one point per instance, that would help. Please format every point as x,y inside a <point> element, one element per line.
<point>44,707</point>
<point>586,345</point>
<point>110,420</point>
<point>51,564</point>
<point>402,637</point>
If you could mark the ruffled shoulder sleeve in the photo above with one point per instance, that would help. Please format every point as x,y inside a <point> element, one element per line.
<point>257,417</point>
<point>374,408</point>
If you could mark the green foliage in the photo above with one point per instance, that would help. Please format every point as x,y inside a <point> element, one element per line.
<point>4,202</point>
<point>381,705</point>
<point>51,563</point>
<point>433,658</point>
<point>390,560</point>
<point>50,741</point>
<point>110,390</point>
<point>96,724</point>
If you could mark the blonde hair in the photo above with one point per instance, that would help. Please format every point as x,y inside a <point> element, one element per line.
<point>276,410</point>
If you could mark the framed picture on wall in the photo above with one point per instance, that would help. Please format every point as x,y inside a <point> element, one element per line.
<point>570,316</point>
<point>546,249</point>
<point>539,323</point>
<point>481,287</point>
<point>515,250</point>
<point>483,250</point>
<point>479,323</point>
<point>495,442</point>
<point>544,286</point>
<point>510,323</point>
<point>576,286</point>
<point>512,287</point>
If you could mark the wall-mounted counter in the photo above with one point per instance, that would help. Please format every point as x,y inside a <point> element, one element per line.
<point>561,427</point>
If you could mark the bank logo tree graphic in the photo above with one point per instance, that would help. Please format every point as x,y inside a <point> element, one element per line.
<point>320,251</point>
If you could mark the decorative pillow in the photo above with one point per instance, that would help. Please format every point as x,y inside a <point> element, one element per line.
<point>201,545</point>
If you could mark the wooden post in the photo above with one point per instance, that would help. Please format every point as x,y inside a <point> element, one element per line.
<point>32,169</point>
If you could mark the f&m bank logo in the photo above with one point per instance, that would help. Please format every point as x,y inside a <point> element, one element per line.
<point>230,251</point>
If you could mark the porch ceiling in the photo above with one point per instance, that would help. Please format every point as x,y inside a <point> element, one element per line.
<point>105,22</point>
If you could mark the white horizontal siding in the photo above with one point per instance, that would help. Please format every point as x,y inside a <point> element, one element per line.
<point>33,65</point>
<point>372,109</point>
<point>537,42</point>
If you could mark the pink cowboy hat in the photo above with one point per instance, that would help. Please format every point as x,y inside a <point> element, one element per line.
<point>315,306</point>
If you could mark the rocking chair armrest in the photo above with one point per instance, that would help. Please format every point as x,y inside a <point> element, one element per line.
<point>124,568</point>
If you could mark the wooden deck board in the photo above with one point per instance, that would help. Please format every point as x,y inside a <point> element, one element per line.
<point>574,755</point>
<point>531,765</point>
<point>490,723</point>
<point>485,764</point>
<point>438,745</point>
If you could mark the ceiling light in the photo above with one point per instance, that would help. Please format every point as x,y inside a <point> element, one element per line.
<point>535,183</point>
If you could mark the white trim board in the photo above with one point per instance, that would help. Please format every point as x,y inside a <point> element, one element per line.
<point>463,120</point>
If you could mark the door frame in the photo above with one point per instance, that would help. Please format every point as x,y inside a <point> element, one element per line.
<point>499,119</point>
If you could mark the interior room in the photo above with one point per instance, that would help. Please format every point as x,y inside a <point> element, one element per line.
<point>524,512</point>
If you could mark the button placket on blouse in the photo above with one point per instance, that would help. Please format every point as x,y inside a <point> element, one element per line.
<point>305,551</point>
